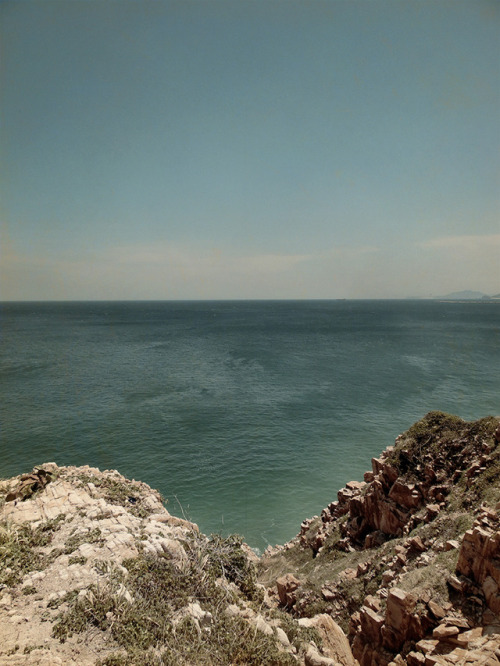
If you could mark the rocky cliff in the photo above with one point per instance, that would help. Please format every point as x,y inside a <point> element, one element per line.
<point>408,560</point>
<point>402,568</point>
<point>95,570</point>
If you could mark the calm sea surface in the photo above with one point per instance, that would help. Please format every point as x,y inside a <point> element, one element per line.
<point>248,415</point>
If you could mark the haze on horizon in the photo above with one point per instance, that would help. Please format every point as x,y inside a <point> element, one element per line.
<point>240,149</point>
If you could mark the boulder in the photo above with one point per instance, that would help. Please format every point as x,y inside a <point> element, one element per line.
<point>371,624</point>
<point>400,606</point>
<point>443,631</point>
<point>313,657</point>
<point>415,545</point>
<point>335,644</point>
<point>437,610</point>
<point>287,586</point>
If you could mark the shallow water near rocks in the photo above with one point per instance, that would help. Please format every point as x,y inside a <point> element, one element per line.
<point>247,416</point>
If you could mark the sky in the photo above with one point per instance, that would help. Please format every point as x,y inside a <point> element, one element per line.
<point>216,149</point>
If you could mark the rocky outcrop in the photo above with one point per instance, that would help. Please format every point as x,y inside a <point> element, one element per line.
<point>336,649</point>
<point>428,587</point>
<point>95,570</point>
<point>479,557</point>
<point>287,586</point>
<point>95,520</point>
<point>423,631</point>
<point>422,628</point>
<point>409,482</point>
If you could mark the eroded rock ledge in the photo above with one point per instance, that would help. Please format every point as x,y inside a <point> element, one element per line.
<point>95,570</point>
<point>408,560</point>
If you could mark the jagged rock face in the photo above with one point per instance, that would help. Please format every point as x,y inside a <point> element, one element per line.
<point>398,619</point>
<point>403,482</point>
<point>479,557</point>
<point>431,481</point>
<point>378,511</point>
<point>440,636</point>
<point>408,619</point>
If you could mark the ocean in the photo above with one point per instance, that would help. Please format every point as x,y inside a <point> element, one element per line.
<point>248,416</point>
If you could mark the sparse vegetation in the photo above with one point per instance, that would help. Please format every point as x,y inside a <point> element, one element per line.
<point>116,492</point>
<point>450,526</point>
<point>77,559</point>
<point>154,622</point>
<point>20,549</point>
<point>77,539</point>
<point>66,598</point>
<point>436,433</point>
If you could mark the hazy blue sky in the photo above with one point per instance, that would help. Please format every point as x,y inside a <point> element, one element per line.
<point>249,149</point>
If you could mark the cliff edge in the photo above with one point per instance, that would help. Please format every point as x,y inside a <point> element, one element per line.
<point>402,568</point>
<point>95,570</point>
<point>407,561</point>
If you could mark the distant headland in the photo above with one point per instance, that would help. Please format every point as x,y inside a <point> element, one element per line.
<point>468,295</point>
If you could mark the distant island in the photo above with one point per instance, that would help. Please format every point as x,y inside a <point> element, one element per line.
<point>468,295</point>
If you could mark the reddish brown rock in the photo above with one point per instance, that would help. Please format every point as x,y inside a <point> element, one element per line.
<point>371,624</point>
<point>472,635</point>
<point>287,586</point>
<point>328,593</point>
<point>427,645</point>
<point>401,559</point>
<point>455,583</point>
<point>362,569</point>
<point>387,577</point>
<point>400,606</point>
<point>437,610</point>
<point>432,510</point>
<point>377,465</point>
<point>415,545</point>
<point>386,472</point>
<point>490,590</point>
<point>372,602</point>
<point>479,557</point>
<point>406,495</point>
<point>335,645</point>
<point>381,513</point>
<point>356,485</point>
<point>344,495</point>
<point>442,632</point>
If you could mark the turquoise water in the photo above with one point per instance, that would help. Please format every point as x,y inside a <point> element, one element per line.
<point>247,416</point>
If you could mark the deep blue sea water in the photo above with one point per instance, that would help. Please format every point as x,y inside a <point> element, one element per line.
<point>248,415</point>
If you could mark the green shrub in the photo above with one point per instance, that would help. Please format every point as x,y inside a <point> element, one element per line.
<point>118,492</point>
<point>152,625</point>
<point>20,549</point>
<point>78,539</point>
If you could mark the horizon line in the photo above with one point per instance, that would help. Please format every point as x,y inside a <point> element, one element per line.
<point>485,298</point>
